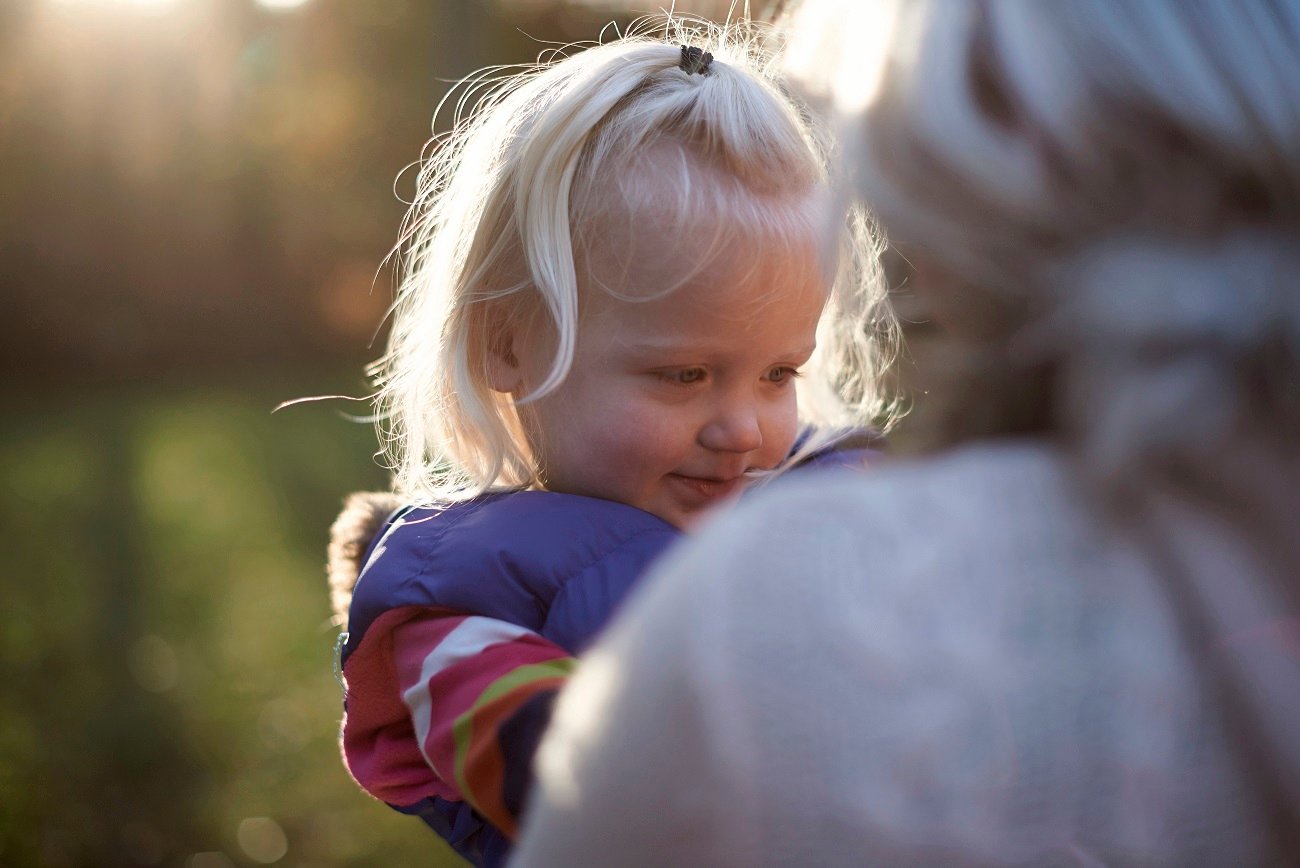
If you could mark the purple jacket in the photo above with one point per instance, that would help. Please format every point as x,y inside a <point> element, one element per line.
<point>558,565</point>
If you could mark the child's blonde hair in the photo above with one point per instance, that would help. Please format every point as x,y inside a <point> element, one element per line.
<point>508,203</point>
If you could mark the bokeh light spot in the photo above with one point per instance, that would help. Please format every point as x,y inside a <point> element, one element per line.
<point>146,5</point>
<point>154,664</point>
<point>281,5</point>
<point>263,839</point>
<point>348,301</point>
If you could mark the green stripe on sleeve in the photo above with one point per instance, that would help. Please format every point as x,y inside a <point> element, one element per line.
<point>463,728</point>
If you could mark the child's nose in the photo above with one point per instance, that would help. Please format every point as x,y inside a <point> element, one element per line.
<point>735,429</point>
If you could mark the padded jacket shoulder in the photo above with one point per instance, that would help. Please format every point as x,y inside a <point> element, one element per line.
<point>557,564</point>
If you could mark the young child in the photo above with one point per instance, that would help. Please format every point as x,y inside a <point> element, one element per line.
<point>613,281</point>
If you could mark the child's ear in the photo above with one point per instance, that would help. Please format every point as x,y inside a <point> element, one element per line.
<point>505,374</point>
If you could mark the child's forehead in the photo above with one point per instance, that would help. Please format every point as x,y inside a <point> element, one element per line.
<point>673,221</point>
<point>730,324</point>
<point>685,298</point>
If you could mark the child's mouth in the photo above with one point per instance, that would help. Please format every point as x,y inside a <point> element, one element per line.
<point>703,489</point>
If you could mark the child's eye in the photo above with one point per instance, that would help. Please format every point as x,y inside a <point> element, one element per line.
<point>684,377</point>
<point>782,374</point>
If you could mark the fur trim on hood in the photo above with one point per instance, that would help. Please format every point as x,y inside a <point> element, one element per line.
<point>350,535</point>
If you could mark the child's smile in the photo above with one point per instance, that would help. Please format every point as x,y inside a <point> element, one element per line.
<point>706,490</point>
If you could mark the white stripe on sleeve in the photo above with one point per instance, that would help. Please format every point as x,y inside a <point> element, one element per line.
<point>470,637</point>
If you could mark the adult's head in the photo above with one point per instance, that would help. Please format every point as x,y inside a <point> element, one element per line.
<point>1103,200</point>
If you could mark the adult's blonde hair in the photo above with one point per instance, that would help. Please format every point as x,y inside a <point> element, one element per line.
<point>1112,189</point>
<point>510,201</point>
<point>1106,183</point>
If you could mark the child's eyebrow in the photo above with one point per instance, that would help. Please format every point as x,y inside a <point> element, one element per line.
<point>702,348</point>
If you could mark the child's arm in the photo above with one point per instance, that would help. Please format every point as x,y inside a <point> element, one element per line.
<point>479,692</point>
<point>462,630</point>
<point>444,712</point>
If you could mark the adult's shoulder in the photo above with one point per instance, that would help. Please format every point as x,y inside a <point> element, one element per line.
<point>975,498</point>
<point>774,660</point>
<point>941,657</point>
<point>935,561</point>
<point>970,475</point>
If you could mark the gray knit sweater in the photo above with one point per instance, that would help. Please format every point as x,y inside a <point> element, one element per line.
<point>947,662</point>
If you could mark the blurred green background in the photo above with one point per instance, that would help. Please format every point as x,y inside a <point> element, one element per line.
<point>196,197</point>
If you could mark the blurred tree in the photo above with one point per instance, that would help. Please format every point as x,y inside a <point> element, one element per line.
<point>208,184</point>
<point>195,189</point>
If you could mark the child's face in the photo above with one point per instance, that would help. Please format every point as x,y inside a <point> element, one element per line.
<point>671,400</point>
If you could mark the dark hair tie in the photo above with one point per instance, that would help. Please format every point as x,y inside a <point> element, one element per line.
<point>694,60</point>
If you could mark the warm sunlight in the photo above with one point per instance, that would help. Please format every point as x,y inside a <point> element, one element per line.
<point>838,50</point>
<point>160,5</point>
<point>281,5</point>
<point>147,5</point>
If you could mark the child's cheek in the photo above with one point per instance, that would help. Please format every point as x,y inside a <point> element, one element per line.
<point>779,432</point>
<point>647,433</point>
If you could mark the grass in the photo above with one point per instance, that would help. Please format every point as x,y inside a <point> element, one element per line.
<point>165,647</point>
